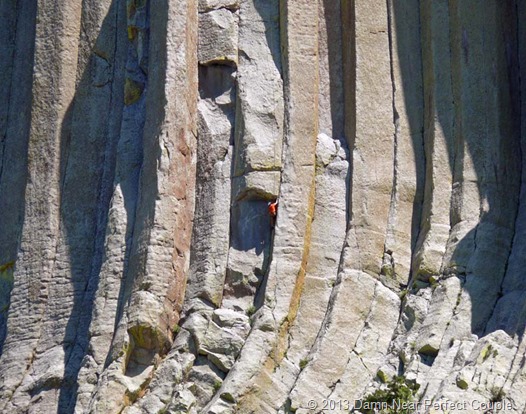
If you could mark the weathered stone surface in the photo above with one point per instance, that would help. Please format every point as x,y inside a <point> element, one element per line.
<point>238,322</point>
<point>259,133</point>
<point>372,145</point>
<point>218,36</point>
<point>30,318</point>
<point>211,225</point>
<point>206,379</point>
<point>220,344</point>
<point>392,134</point>
<point>257,184</point>
<point>207,5</point>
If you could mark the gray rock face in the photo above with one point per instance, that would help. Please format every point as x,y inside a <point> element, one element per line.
<point>141,143</point>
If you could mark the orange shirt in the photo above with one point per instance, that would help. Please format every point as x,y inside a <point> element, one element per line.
<point>273,209</point>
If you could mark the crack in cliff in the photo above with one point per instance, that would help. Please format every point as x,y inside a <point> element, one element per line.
<point>423,225</point>
<point>454,313</point>
<point>10,93</point>
<point>365,324</point>
<point>332,387</point>
<point>456,101</point>
<point>522,185</point>
<point>324,326</point>
<point>2,160</point>
<point>396,124</point>
<point>505,271</point>
<point>283,36</point>
<point>456,147</point>
<point>520,367</point>
<point>230,8</point>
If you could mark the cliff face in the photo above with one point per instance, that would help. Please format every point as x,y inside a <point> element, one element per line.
<point>140,143</point>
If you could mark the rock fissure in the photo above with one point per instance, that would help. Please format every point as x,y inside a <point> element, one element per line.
<point>10,89</point>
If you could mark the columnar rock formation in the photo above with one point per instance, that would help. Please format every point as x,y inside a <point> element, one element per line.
<point>140,142</point>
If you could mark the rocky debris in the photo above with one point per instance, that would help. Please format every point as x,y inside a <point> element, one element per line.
<point>163,395</point>
<point>326,150</point>
<point>238,322</point>
<point>207,379</point>
<point>220,344</point>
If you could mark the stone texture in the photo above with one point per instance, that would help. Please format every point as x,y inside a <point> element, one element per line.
<point>217,37</point>
<point>207,5</point>
<point>140,144</point>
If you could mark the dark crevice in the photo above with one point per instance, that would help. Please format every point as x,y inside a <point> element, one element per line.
<point>3,137</point>
<point>396,125</point>
<point>456,155</point>
<point>522,187</point>
<point>400,23</point>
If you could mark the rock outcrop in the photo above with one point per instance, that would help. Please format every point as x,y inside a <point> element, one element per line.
<point>140,144</point>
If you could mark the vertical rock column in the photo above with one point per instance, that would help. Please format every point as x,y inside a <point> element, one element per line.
<point>329,219</point>
<point>258,151</point>
<point>485,191</point>
<point>154,287</point>
<point>514,284</point>
<point>372,144</point>
<point>439,147</point>
<point>218,57</point>
<point>126,25</point>
<point>438,138</point>
<point>362,311</point>
<point>87,168</point>
<point>54,78</point>
<point>483,217</point>
<point>409,160</point>
<point>17,53</point>
<point>513,288</point>
<point>166,205</point>
<point>293,230</point>
<point>264,348</point>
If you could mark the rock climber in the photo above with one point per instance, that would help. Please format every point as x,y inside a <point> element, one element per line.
<point>273,212</point>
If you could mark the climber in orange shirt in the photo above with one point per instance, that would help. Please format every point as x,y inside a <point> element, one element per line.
<point>273,211</point>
